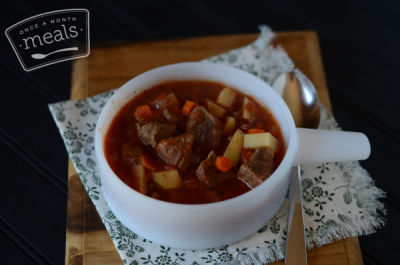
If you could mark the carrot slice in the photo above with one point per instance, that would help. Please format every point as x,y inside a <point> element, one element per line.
<point>147,163</point>
<point>142,112</point>
<point>255,131</point>
<point>188,107</point>
<point>223,163</point>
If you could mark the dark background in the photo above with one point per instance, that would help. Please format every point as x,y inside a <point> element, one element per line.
<point>359,42</point>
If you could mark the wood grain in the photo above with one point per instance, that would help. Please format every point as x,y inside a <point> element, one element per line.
<point>110,66</point>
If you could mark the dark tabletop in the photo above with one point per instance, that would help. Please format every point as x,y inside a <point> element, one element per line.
<point>360,48</point>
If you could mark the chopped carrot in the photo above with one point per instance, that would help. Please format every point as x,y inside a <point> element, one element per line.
<point>147,163</point>
<point>188,107</point>
<point>255,131</point>
<point>142,112</point>
<point>223,163</point>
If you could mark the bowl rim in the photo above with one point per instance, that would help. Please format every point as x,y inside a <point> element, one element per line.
<point>128,192</point>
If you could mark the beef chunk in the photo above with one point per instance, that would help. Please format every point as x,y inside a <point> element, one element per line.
<point>153,132</point>
<point>258,168</point>
<point>165,102</point>
<point>206,128</point>
<point>209,174</point>
<point>176,151</point>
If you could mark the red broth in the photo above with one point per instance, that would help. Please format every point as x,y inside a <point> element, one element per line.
<point>126,152</point>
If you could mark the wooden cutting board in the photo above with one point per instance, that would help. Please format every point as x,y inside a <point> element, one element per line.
<point>110,66</point>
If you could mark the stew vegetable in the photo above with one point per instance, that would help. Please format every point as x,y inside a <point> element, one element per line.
<point>193,142</point>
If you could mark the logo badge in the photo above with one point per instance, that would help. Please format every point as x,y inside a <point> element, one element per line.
<point>50,38</point>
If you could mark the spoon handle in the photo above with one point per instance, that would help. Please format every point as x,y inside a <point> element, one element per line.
<point>296,253</point>
<point>320,146</point>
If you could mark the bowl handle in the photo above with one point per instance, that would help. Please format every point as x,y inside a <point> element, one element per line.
<point>320,146</point>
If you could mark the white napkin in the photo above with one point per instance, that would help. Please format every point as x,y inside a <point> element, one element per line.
<point>340,199</point>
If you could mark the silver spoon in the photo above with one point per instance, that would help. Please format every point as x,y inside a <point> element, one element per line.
<point>39,56</point>
<point>302,99</point>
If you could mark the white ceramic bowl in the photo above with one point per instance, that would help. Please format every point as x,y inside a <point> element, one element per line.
<point>204,225</point>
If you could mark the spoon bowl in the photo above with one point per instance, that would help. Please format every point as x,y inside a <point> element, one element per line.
<point>301,97</point>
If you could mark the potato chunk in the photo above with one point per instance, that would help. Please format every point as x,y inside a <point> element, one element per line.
<point>260,140</point>
<point>215,109</point>
<point>226,97</point>
<point>234,147</point>
<point>230,124</point>
<point>168,179</point>
<point>248,109</point>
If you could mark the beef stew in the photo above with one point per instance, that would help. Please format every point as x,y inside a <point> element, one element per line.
<point>193,142</point>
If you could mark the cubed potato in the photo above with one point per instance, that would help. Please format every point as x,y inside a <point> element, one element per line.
<point>248,109</point>
<point>260,140</point>
<point>163,101</point>
<point>168,179</point>
<point>139,173</point>
<point>215,109</point>
<point>226,97</point>
<point>230,124</point>
<point>234,147</point>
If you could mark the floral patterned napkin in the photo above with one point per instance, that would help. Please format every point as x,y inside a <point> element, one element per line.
<point>340,199</point>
